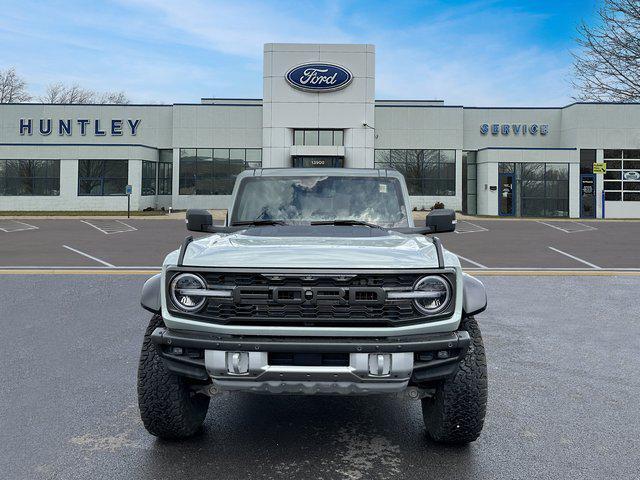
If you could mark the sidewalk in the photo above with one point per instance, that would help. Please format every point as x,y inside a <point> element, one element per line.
<point>420,217</point>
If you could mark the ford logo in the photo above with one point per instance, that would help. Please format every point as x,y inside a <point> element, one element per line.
<point>632,175</point>
<point>319,77</point>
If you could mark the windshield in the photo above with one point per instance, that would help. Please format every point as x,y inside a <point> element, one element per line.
<point>307,199</point>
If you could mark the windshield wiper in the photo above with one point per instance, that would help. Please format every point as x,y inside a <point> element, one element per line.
<point>259,222</point>
<point>345,222</point>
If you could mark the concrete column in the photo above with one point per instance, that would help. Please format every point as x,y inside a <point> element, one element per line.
<point>487,173</point>
<point>135,180</point>
<point>574,190</point>
<point>69,181</point>
<point>599,186</point>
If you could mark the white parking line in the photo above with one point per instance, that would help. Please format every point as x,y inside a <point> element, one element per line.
<point>109,227</point>
<point>89,256</point>
<point>9,226</point>
<point>475,228</point>
<point>585,228</point>
<point>576,258</point>
<point>479,265</point>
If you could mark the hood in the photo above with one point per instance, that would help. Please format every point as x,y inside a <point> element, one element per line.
<point>316,247</point>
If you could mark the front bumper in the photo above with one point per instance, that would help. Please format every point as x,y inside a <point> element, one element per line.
<point>371,365</point>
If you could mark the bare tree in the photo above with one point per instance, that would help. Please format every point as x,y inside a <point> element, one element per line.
<point>607,67</point>
<point>119,98</point>
<point>75,94</point>
<point>61,93</point>
<point>12,87</point>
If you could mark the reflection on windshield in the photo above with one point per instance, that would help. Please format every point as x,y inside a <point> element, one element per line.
<point>305,199</point>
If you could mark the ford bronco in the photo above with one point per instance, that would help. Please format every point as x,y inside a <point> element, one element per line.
<point>317,283</point>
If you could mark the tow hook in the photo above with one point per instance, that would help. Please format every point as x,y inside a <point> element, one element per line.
<point>415,393</point>
<point>209,390</point>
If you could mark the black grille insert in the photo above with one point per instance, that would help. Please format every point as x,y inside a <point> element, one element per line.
<point>310,300</point>
<point>309,359</point>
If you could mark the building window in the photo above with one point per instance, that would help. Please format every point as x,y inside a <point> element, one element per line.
<point>149,177</point>
<point>165,172</point>
<point>587,159</point>
<point>545,189</point>
<point>427,172</point>
<point>102,177</point>
<point>318,137</point>
<point>30,177</point>
<point>622,180</point>
<point>542,189</point>
<point>213,171</point>
<point>469,182</point>
<point>165,178</point>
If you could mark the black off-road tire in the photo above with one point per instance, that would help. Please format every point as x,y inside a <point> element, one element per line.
<point>455,414</point>
<point>168,405</point>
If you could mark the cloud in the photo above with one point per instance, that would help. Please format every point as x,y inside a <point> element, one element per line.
<point>241,28</point>
<point>527,77</point>
<point>472,53</point>
<point>475,53</point>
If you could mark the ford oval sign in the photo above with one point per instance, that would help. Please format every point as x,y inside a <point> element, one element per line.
<point>319,77</point>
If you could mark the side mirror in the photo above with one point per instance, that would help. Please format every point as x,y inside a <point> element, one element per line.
<point>442,220</point>
<point>198,220</point>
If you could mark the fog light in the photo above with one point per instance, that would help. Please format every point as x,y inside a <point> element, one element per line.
<point>238,363</point>
<point>177,350</point>
<point>443,354</point>
<point>379,364</point>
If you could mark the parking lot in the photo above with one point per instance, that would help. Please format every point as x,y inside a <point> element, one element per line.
<point>483,245</point>
<point>562,341</point>
<point>563,388</point>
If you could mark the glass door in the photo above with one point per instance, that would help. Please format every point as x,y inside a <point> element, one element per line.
<point>587,196</point>
<point>506,194</point>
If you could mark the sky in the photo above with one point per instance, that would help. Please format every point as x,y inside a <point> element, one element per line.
<point>472,53</point>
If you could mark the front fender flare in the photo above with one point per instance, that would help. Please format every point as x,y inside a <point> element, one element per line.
<point>474,295</point>
<point>150,298</point>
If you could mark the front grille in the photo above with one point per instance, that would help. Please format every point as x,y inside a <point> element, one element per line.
<point>233,279</point>
<point>310,315</point>
<point>341,300</point>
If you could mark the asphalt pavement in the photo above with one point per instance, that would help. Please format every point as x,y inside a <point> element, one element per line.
<point>481,244</point>
<point>563,394</point>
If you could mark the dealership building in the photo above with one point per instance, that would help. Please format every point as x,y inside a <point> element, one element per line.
<point>319,110</point>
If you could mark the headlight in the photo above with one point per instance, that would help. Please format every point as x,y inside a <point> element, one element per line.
<point>184,292</point>
<point>431,294</point>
